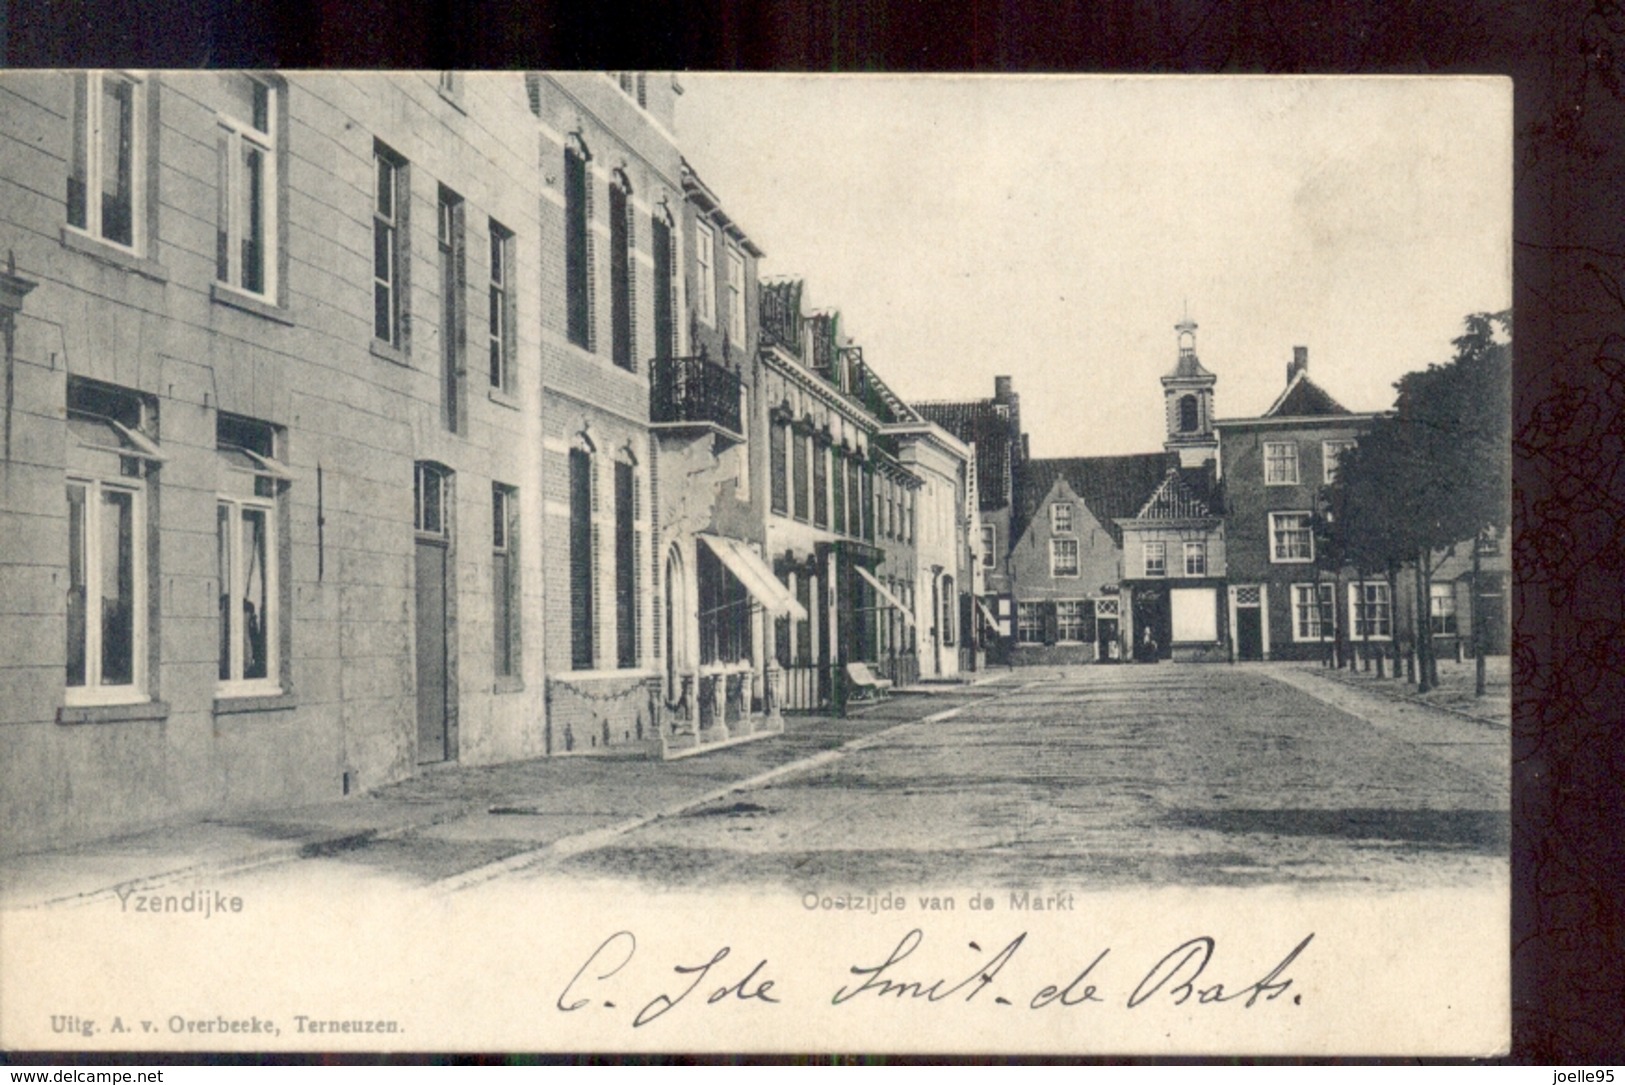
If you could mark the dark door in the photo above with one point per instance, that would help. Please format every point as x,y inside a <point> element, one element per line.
<point>1106,632</point>
<point>433,687</point>
<point>1249,633</point>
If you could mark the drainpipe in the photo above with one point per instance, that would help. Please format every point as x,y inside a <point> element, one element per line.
<point>12,292</point>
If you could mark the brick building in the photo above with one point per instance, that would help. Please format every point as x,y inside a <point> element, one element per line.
<point>267,515</point>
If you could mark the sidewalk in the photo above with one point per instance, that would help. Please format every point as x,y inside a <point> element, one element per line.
<point>1454,693</point>
<point>488,813</point>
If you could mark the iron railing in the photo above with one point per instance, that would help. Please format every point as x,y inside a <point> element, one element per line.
<point>694,389</point>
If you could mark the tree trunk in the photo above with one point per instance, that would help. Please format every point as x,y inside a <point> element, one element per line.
<point>1478,626</point>
<point>1424,630</point>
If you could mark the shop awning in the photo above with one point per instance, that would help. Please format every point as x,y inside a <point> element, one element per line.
<point>884,594</point>
<point>758,579</point>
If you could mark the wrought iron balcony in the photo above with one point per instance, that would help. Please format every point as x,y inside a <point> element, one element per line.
<point>694,391</point>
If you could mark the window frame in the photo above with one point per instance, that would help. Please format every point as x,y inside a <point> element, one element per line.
<point>1331,451</point>
<point>1198,550</point>
<point>1280,461</point>
<point>391,225</point>
<point>451,237</point>
<point>94,691</point>
<point>1159,568</point>
<point>1056,567</point>
<point>1079,621</point>
<point>1325,620</point>
<point>1444,621</point>
<point>578,248</point>
<point>236,135</point>
<point>1060,517</point>
<point>1306,530</point>
<point>1029,623</point>
<point>1360,607</point>
<point>705,273</point>
<point>623,336</point>
<point>990,545</point>
<point>85,138</point>
<point>505,634</point>
<point>501,314</point>
<point>736,295</point>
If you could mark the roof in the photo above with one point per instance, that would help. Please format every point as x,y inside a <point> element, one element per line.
<point>1113,487</point>
<point>1186,493</point>
<point>1189,368</point>
<point>1304,398</point>
<point>985,424</point>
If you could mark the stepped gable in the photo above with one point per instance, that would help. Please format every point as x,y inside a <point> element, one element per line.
<point>1113,487</point>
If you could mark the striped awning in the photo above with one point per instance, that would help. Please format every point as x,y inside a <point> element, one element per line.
<point>758,579</point>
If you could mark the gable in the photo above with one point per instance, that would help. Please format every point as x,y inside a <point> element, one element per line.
<point>1304,398</point>
<point>1175,499</point>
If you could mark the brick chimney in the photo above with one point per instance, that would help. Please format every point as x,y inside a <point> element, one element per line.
<point>1002,389</point>
<point>1300,363</point>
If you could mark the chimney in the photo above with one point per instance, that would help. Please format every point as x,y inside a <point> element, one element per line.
<point>1001,389</point>
<point>1300,363</point>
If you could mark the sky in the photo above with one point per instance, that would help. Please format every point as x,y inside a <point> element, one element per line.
<point>1056,228</point>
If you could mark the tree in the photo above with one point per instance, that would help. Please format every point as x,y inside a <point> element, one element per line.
<point>1437,470</point>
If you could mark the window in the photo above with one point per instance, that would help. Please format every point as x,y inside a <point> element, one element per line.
<point>248,560</point>
<point>1063,557</point>
<point>1373,616</point>
<point>1074,620</point>
<point>626,566</point>
<point>1442,609</point>
<point>989,545</point>
<point>736,296</point>
<point>778,435</point>
<point>501,316</point>
<point>109,460</point>
<point>800,486</point>
<point>661,250</point>
<point>577,255</point>
<point>453,313</point>
<point>1291,537</point>
<point>705,268</point>
<point>804,627</point>
<point>820,484</point>
<point>1029,624</point>
<point>389,235</point>
<point>245,254</point>
<point>1060,517</point>
<point>725,612</point>
<point>950,612</point>
<point>1189,415</point>
<point>1196,559</point>
<point>1280,463</point>
<point>620,274</point>
<point>1312,612</point>
<point>1156,558</point>
<point>581,560</point>
<point>838,491</point>
<point>106,176</point>
<point>1330,453</point>
<point>633,84</point>
<point>504,581</point>
<point>854,497</point>
<point>429,500</point>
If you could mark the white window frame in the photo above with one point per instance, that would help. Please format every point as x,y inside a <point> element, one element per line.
<point>1324,624</point>
<point>1330,453</point>
<point>1154,556</point>
<point>1281,463</point>
<point>1276,555</point>
<point>736,295</point>
<point>92,122</point>
<point>237,137</point>
<point>236,685</point>
<point>1060,517</point>
<point>94,692</point>
<point>990,545</point>
<point>1029,620</point>
<point>1055,563</point>
<point>1439,594</point>
<point>1358,605</point>
<point>499,310</point>
<point>1198,552</point>
<point>1063,624</point>
<point>705,255</point>
<point>393,227</point>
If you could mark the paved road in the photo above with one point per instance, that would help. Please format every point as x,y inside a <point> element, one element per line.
<point>1082,778</point>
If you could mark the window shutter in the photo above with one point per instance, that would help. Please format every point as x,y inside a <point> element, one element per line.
<point>1050,622</point>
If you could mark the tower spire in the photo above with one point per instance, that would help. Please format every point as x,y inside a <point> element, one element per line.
<point>1188,399</point>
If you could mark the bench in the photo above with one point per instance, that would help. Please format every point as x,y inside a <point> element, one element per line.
<point>864,682</point>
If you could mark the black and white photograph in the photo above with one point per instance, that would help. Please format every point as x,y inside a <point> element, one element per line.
<point>648,561</point>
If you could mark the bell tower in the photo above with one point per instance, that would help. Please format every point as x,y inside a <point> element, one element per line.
<point>1187,396</point>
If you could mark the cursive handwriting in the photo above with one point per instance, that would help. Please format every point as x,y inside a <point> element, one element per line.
<point>616,951</point>
<point>1188,961</point>
<point>879,977</point>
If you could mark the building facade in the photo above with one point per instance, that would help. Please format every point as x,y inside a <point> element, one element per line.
<point>945,590</point>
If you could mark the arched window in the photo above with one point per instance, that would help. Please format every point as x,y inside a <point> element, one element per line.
<point>1188,415</point>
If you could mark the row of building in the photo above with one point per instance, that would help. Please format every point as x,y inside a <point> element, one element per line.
<point>355,425</point>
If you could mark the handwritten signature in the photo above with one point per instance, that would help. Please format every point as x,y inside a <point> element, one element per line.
<point>1179,977</point>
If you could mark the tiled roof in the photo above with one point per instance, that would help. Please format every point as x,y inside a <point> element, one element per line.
<point>1186,493</point>
<point>987,424</point>
<point>1188,367</point>
<point>1113,487</point>
<point>1304,398</point>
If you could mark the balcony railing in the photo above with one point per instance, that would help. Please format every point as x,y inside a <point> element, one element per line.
<point>694,390</point>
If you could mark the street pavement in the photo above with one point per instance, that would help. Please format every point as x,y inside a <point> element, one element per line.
<point>1082,778</point>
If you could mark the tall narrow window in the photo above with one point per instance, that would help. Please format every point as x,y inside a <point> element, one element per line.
<point>620,275</point>
<point>705,289</point>
<point>736,296</point>
<point>581,560</point>
<point>989,539</point>
<point>838,491</point>
<point>626,564</point>
<point>389,247</point>
<point>854,497</point>
<point>109,459</point>
<point>453,312</point>
<point>1196,559</point>
<point>245,226</point>
<point>105,178</point>
<point>578,303</point>
<point>501,316</point>
<point>802,487</point>
<point>247,555</point>
<point>820,484</point>
<point>950,612</point>
<point>1189,422</point>
<point>661,250</point>
<point>504,581</point>
<point>778,436</point>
